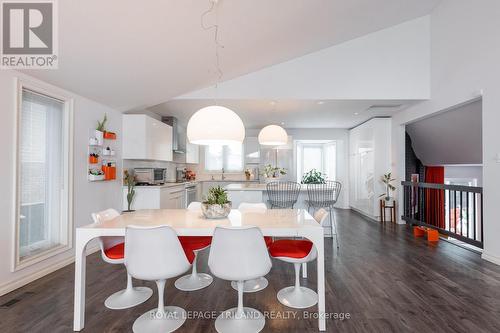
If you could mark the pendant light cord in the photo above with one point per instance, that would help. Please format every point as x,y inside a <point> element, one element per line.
<point>217,44</point>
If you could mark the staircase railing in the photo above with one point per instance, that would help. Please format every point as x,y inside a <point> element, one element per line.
<point>453,210</point>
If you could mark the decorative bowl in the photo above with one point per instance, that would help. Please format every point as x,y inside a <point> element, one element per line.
<point>216,211</point>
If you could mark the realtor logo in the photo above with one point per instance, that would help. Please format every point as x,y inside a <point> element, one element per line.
<point>29,34</point>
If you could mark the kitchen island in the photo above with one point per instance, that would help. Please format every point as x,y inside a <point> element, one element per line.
<point>256,193</point>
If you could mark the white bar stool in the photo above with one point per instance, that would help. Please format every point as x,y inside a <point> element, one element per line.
<point>297,252</point>
<point>239,254</point>
<point>260,283</point>
<point>156,254</point>
<point>112,251</point>
<point>195,280</point>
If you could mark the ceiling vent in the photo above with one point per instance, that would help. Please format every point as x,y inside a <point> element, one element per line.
<point>384,107</point>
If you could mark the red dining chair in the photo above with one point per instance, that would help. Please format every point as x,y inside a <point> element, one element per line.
<point>112,251</point>
<point>195,280</point>
<point>297,252</point>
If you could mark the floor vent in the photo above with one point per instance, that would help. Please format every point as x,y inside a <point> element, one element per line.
<point>13,301</point>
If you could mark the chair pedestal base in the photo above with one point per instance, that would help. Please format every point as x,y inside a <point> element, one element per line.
<point>193,282</point>
<point>171,320</point>
<point>128,298</point>
<point>297,297</point>
<point>252,286</point>
<point>251,321</point>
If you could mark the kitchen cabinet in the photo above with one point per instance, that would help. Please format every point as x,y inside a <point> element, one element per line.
<point>145,138</point>
<point>369,159</point>
<point>192,153</point>
<point>252,150</point>
<point>157,197</point>
<point>176,197</point>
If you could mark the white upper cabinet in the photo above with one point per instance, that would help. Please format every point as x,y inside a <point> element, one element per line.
<point>192,153</point>
<point>252,150</point>
<point>145,138</point>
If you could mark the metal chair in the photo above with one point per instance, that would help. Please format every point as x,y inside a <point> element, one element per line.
<point>282,194</point>
<point>325,196</point>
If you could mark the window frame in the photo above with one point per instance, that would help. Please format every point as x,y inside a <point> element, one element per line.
<point>224,160</point>
<point>299,151</point>
<point>67,191</point>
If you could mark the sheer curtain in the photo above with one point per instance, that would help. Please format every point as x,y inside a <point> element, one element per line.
<point>41,133</point>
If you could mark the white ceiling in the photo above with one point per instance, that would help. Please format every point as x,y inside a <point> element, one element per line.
<point>293,113</point>
<point>129,54</point>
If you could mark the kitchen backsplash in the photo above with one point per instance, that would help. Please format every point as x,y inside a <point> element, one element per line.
<point>170,166</point>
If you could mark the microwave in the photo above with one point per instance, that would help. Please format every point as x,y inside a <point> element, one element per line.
<point>150,176</point>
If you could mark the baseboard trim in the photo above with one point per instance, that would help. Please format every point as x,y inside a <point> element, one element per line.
<point>491,258</point>
<point>16,284</point>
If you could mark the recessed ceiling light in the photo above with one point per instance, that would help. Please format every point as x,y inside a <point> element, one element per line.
<point>320,102</point>
<point>282,123</point>
<point>356,113</point>
<point>272,102</point>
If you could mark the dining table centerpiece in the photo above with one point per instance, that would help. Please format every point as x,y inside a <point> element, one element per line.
<point>217,204</point>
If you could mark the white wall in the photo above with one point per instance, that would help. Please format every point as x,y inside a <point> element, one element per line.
<point>464,171</point>
<point>465,53</point>
<point>88,197</point>
<point>392,63</point>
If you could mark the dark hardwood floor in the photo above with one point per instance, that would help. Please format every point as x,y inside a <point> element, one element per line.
<point>386,280</point>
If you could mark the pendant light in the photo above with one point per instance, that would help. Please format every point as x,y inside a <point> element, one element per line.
<point>215,124</point>
<point>273,135</point>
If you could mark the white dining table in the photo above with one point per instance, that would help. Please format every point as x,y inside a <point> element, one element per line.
<point>272,222</point>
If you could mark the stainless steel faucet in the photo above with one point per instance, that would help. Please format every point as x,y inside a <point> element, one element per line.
<point>223,177</point>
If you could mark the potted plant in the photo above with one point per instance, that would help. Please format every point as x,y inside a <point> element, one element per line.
<point>129,180</point>
<point>387,180</point>
<point>313,177</point>
<point>93,158</point>
<point>272,173</point>
<point>248,174</point>
<point>217,205</point>
<point>95,175</point>
<point>99,131</point>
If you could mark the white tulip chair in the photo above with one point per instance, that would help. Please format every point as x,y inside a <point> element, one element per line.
<point>260,283</point>
<point>239,254</point>
<point>195,280</point>
<point>156,254</point>
<point>297,252</point>
<point>112,251</point>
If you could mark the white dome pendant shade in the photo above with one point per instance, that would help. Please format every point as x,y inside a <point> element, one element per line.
<point>273,135</point>
<point>215,125</point>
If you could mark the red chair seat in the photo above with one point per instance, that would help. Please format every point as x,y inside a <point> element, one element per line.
<point>268,240</point>
<point>290,248</point>
<point>116,252</point>
<point>195,243</point>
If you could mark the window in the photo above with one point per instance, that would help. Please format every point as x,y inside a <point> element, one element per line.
<point>228,157</point>
<point>316,154</point>
<point>43,176</point>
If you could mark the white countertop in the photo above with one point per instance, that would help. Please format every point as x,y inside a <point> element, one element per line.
<point>168,184</point>
<point>245,187</point>
<point>254,187</point>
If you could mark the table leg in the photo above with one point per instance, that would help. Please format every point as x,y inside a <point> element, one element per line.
<point>80,263</point>
<point>320,247</point>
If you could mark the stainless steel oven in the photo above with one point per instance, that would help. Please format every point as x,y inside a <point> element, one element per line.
<point>191,193</point>
<point>150,176</point>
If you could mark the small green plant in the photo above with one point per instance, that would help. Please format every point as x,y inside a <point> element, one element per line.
<point>216,196</point>
<point>101,124</point>
<point>129,180</point>
<point>387,180</point>
<point>96,172</point>
<point>270,171</point>
<point>313,177</point>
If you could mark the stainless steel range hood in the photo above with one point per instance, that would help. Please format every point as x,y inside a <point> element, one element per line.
<point>178,145</point>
